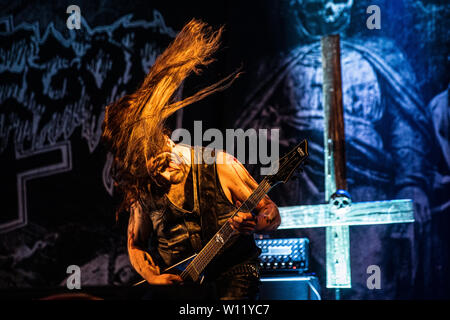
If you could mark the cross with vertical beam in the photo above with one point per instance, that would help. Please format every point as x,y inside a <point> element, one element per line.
<point>339,212</point>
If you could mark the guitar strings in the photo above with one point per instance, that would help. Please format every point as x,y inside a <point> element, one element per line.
<point>206,255</point>
<point>210,250</point>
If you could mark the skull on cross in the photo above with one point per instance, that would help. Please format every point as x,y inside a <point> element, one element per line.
<point>340,201</point>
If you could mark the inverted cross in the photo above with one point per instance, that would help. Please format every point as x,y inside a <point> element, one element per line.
<point>339,212</point>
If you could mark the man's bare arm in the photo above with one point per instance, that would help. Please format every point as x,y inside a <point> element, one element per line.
<point>238,185</point>
<point>139,230</point>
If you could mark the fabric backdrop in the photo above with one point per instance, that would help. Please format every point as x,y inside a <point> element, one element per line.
<point>57,194</point>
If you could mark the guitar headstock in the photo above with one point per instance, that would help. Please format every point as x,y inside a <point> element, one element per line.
<point>287,165</point>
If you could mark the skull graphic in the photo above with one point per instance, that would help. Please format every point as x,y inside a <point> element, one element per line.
<point>340,201</point>
<point>320,17</point>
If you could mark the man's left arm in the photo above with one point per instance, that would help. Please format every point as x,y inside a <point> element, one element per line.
<point>238,185</point>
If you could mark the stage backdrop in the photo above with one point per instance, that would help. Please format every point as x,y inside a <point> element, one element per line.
<point>57,194</point>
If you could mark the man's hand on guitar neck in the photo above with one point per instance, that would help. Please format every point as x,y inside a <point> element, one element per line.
<point>243,222</point>
<point>238,185</point>
<point>267,218</point>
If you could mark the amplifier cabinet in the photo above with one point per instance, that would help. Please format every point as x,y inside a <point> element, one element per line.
<point>289,288</point>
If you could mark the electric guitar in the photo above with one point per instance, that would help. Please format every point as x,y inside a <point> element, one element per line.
<point>191,269</point>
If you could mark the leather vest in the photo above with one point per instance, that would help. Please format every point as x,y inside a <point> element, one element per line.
<point>179,233</point>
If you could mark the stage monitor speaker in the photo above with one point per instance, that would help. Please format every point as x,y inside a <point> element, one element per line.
<point>290,288</point>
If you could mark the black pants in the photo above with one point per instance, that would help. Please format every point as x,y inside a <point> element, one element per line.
<point>240,282</point>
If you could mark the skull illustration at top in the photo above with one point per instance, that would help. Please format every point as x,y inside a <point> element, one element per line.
<point>321,17</point>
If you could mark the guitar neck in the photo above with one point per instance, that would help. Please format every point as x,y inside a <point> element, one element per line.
<point>253,200</point>
<point>204,257</point>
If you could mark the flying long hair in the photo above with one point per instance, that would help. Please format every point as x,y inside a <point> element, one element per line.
<point>134,126</point>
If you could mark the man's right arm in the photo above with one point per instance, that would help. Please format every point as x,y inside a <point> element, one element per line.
<point>139,231</point>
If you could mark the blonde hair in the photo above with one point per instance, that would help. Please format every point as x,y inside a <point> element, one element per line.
<point>134,126</point>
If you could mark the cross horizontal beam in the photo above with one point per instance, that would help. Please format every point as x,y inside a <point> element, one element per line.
<point>358,213</point>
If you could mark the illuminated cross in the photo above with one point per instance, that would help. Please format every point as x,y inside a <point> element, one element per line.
<point>339,213</point>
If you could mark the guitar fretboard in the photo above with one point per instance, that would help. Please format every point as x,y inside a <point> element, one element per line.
<point>204,257</point>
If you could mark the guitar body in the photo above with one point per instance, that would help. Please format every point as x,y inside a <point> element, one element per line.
<point>181,266</point>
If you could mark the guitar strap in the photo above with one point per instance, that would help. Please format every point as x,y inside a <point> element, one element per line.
<point>207,192</point>
<point>194,236</point>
